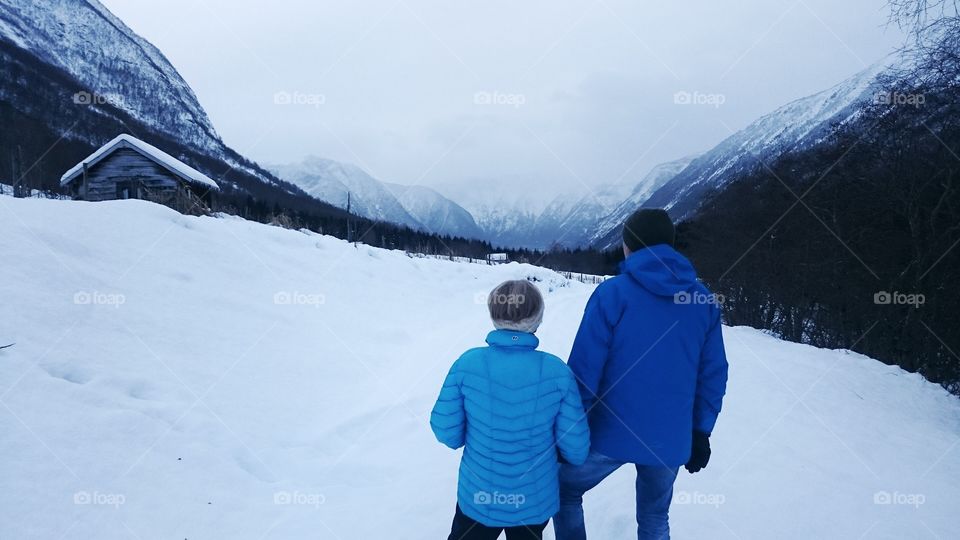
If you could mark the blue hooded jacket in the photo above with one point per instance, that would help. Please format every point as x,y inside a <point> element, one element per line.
<point>512,408</point>
<point>650,361</point>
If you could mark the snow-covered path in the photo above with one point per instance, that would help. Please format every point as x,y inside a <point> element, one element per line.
<point>209,378</point>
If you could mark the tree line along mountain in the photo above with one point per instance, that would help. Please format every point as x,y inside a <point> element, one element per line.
<point>799,220</point>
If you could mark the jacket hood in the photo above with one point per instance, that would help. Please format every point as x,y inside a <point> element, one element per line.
<point>661,270</point>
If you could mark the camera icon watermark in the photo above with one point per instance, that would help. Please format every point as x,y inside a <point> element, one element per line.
<point>97,498</point>
<point>89,98</point>
<point>97,298</point>
<point>284,97</point>
<point>497,97</point>
<point>695,497</point>
<point>885,298</point>
<point>684,97</point>
<point>482,497</point>
<point>296,298</point>
<point>298,498</point>
<point>698,298</point>
<point>900,99</point>
<point>888,498</point>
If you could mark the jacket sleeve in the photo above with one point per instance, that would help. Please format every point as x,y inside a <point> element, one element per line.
<point>570,429</point>
<point>448,419</point>
<point>592,347</point>
<point>711,378</point>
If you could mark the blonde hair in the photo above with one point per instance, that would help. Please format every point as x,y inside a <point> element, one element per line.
<point>516,305</point>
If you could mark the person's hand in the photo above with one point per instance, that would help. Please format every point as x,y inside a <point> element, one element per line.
<point>700,453</point>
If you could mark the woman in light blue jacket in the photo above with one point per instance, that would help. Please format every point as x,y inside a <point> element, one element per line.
<point>516,411</point>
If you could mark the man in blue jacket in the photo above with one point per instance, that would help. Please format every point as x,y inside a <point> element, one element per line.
<point>652,372</point>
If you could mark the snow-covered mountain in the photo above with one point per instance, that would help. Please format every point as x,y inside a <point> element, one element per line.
<point>434,212</point>
<point>552,228</point>
<point>505,209</point>
<point>511,214</point>
<point>117,66</point>
<point>202,377</point>
<point>569,220</point>
<point>75,76</point>
<point>417,207</point>
<point>793,127</point>
<point>680,186</point>
<point>511,217</point>
<point>331,181</point>
<point>78,76</point>
<point>614,216</point>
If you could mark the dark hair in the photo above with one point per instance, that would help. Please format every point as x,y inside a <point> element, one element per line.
<point>514,301</point>
<point>648,227</point>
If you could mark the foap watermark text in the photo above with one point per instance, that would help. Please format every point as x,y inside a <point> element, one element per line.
<point>497,498</point>
<point>885,298</point>
<point>307,99</point>
<point>497,97</point>
<point>98,298</point>
<point>297,298</point>
<point>697,297</point>
<point>685,97</point>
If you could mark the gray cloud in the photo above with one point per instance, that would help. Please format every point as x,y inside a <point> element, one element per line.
<point>557,93</point>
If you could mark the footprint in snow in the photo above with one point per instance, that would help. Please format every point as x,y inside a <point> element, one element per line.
<point>252,465</point>
<point>71,374</point>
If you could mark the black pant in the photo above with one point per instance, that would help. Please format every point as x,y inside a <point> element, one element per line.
<point>465,528</point>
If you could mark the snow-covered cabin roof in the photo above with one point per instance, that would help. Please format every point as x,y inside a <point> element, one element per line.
<point>164,159</point>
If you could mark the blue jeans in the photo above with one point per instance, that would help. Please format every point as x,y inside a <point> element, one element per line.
<point>654,493</point>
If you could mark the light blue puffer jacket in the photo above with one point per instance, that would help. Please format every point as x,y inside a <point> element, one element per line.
<point>512,407</point>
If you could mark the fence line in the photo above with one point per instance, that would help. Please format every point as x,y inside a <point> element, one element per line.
<point>589,279</point>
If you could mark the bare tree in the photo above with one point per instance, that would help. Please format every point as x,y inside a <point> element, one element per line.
<point>933,46</point>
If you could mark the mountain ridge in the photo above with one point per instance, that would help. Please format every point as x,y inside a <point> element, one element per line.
<point>799,124</point>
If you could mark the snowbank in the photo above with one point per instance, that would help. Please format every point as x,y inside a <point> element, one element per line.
<point>200,377</point>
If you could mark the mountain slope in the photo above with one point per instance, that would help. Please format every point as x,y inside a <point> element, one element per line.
<point>792,127</point>
<point>573,219</point>
<point>681,185</point>
<point>508,217</point>
<point>880,213</point>
<point>76,77</point>
<point>332,181</point>
<point>553,227</point>
<point>435,212</point>
<point>182,377</point>
<point>504,213</point>
<point>116,65</point>
<point>606,230</point>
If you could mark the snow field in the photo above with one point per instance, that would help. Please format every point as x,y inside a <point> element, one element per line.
<point>184,377</point>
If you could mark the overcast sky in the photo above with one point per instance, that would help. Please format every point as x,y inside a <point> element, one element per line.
<point>551,93</point>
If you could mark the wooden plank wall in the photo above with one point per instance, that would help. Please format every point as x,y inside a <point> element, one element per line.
<point>126,164</point>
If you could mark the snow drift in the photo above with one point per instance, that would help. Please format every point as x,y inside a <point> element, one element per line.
<point>200,377</point>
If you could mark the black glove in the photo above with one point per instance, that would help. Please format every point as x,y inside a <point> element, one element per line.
<point>700,453</point>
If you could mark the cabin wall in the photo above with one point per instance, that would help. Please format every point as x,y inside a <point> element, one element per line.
<point>123,165</point>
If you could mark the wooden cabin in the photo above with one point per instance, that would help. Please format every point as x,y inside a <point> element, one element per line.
<point>128,168</point>
<point>498,258</point>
